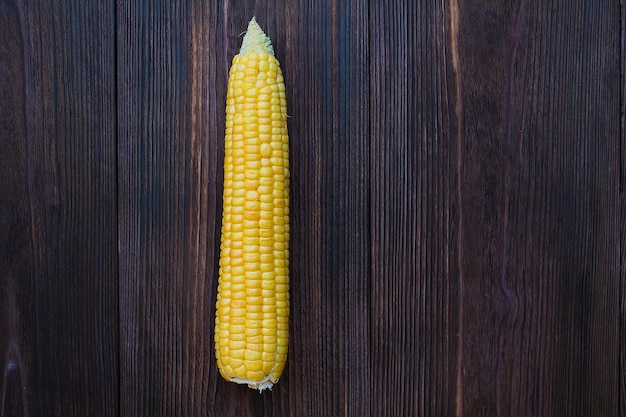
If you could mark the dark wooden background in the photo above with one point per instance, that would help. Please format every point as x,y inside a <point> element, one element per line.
<point>458,207</point>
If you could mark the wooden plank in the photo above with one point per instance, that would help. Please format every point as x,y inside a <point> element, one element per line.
<point>307,54</point>
<point>17,258</point>
<point>414,272</point>
<point>166,153</point>
<point>539,161</point>
<point>622,194</point>
<point>326,70</point>
<point>207,63</point>
<point>58,262</point>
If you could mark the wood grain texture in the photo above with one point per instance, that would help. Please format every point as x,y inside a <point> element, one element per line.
<point>58,265</point>
<point>458,210</point>
<point>414,272</point>
<point>164,158</point>
<point>622,193</point>
<point>328,371</point>
<point>539,249</point>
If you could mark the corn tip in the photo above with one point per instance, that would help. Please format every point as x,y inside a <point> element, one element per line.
<point>256,40</point>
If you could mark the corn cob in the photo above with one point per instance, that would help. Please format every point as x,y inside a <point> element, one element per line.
<point>251,323</point>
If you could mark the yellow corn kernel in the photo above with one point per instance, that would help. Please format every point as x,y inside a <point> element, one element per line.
<point>252,308</point>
